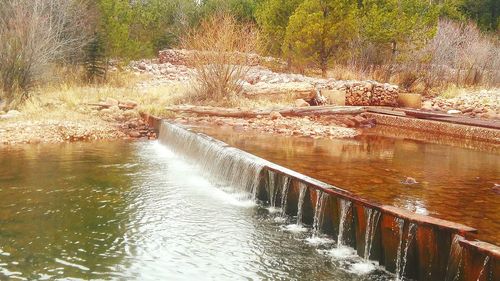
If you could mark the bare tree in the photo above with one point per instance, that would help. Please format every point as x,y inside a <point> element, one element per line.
<point>33,34</point>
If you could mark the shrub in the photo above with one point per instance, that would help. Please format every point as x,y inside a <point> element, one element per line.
<point>221,46</point>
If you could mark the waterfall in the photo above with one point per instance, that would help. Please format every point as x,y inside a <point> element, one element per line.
<point>300,204</point>
<point>224,165</point>
<point>272,188</point>
<point>402,253</point>
<point>345,206</point>
<point>485,263</point>
<point>372,219</point>
<point>318,212</point>
<point>454,259</point>
<point>284,194</point>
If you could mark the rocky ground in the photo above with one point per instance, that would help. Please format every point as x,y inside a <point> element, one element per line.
<point>260,81</point>
<point>335,126</point>
<point>484,104</point>
<point>105,120</point>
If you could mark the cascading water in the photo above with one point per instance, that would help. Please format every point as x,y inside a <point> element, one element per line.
<point>300,204</point>
<point>319,212</point>
<point>404,245</point>
<point>345,206</point>
<point>272,189</point>
<point>485,263</point>
<point>372,219</point>
<point>224,165</point>
<point>454,259</point>
<point>284,194</point>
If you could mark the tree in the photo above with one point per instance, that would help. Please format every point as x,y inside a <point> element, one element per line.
<point>95,61</point>
<point>35,34</point>
<point>397,25</point>
<point>272,16</point>
<point>319,30</point>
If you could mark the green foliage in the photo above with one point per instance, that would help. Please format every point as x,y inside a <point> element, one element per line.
<point>95,61</point>
<point>319,30</point>
<point>272,17</point>
<point>485,12</point>
<point>398,25</point>
<point>241,10</point>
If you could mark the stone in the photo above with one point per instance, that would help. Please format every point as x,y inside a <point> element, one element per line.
<point>453,111</point>
<point>427,105</point>
<point>275,115</point>
<point>134,134</point>
<point>10,114</point>
<point>409,181</point>
<point>301,103</point>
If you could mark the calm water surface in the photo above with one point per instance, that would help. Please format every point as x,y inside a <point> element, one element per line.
<point>454,182</point>
<point>136,211</point>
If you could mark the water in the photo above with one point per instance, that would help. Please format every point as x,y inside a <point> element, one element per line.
<point>372,219</point>
<point>404,245</point>
<point>300,204</point>
<point>456,178</point>
<point>319,212</point>
<point>455,259</point>
<point>345,207</point>
<point>137,211</point>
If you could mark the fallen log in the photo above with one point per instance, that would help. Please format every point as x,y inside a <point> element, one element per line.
<point>252,113</point>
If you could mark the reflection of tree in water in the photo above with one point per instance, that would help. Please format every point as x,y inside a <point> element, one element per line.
<point>64,202</point>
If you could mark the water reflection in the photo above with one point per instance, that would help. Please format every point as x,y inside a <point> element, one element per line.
<point>453,182</point>
<point>135,211</point>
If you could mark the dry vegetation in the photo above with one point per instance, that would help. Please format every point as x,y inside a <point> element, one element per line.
<point>219,41</point>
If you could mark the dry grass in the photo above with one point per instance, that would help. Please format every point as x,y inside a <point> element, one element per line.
<point>67,101</point>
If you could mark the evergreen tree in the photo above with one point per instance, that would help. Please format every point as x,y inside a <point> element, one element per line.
<point>319,30</point>
<point>272,17</point>
<point>95,62</point>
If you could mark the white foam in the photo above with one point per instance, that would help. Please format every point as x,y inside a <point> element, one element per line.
<point>273,210</point>
<point>316,240</point>
<point>343,253</point>
<point>279,219</point>
<point>362,268</point>
<point>295,228</point>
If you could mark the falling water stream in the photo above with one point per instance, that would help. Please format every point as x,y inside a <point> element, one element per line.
<point>372,219</point>
<point>300,203</point>
<point>404,245</point>
<point>345,207</point>
<point>454,259</point>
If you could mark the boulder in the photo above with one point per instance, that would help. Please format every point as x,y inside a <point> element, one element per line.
<point>275,115</point>
<point>453,111</point>
<point>301,103</point>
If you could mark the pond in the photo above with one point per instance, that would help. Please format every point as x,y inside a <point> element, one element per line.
<point>451,179</point>
<point>137,211</point>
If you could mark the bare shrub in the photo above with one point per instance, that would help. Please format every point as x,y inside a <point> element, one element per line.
<point>459,54</point>
<point>34,34</point>
<point>221,47</point>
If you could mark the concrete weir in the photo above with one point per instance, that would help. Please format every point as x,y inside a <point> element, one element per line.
<point>410,245</point>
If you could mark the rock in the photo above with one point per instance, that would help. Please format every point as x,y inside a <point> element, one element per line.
<point>409,181</point>
<point>358,119</point>
<point>10,114</point>
<point>427,105</point>
<point>453,111</point>
<point>134,134</point>
<point>275,115</point>
<point>301,103</point>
